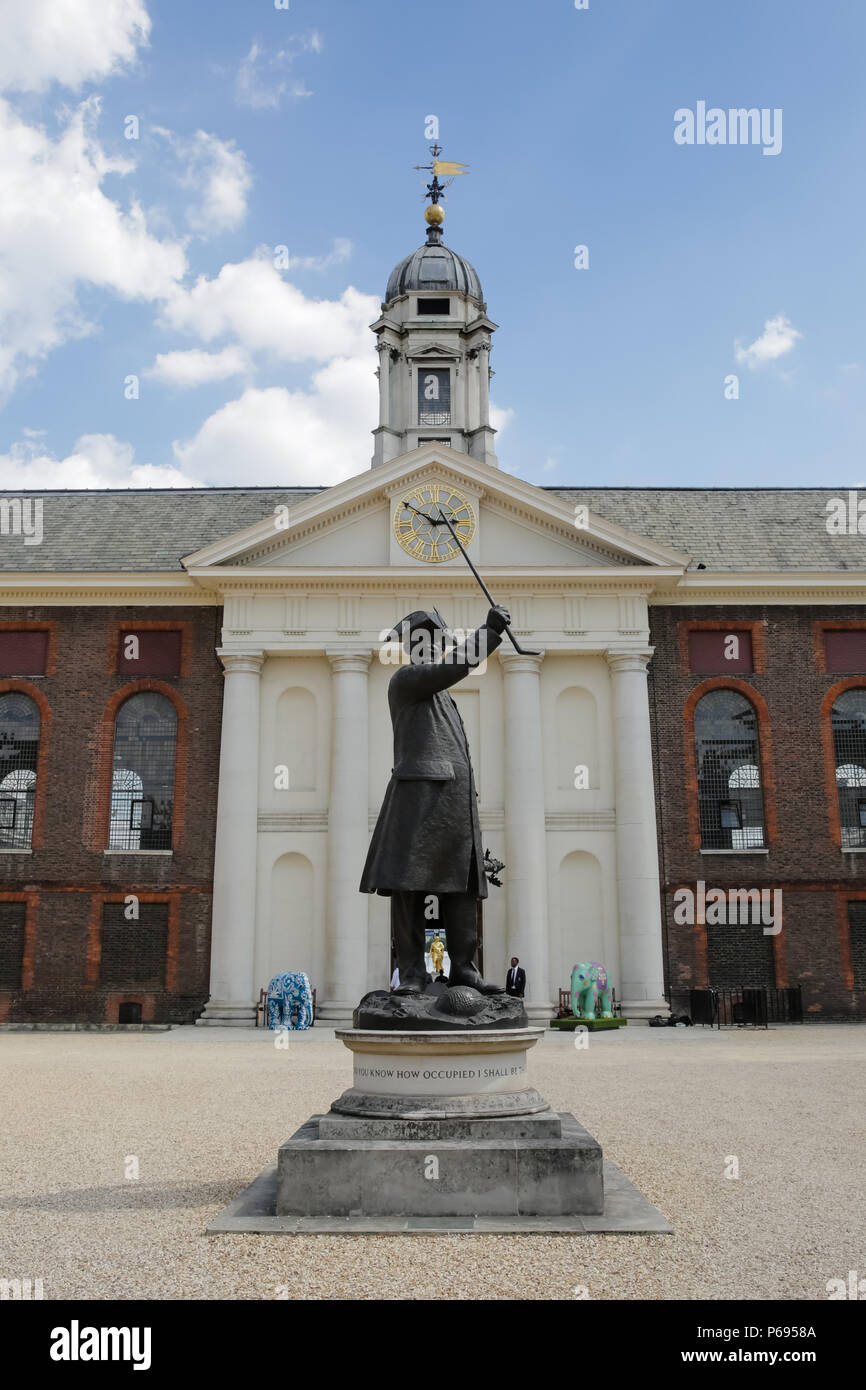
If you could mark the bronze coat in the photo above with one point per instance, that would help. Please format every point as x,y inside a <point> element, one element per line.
<point>428,824</point>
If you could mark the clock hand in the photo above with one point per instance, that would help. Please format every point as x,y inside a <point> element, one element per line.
<point>423,515</point>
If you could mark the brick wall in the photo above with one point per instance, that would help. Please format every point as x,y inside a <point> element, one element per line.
<point>68,877</point>
<point>793,693</point>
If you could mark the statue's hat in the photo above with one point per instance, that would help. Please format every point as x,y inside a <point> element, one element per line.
<point>415,622</point>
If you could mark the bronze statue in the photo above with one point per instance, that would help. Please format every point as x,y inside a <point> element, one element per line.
<point>427,841</point>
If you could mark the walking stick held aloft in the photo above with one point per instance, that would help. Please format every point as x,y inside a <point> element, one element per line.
<point>443,521</point>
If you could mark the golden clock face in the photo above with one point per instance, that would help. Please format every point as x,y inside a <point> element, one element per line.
<point>418,536</point>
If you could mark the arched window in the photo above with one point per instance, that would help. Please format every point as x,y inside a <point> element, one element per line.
<point>19,750</point>
<point>849,748</point>
<point>729,777</point>
<point>142,775</point>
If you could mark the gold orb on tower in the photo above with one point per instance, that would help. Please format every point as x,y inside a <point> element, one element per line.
<point>435,215</point>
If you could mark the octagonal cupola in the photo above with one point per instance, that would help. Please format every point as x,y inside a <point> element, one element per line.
<point>433,338</point>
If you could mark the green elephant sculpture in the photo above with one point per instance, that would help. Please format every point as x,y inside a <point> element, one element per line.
<point>589,982</point>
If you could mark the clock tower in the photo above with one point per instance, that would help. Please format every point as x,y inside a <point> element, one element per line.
<point>433,339</point>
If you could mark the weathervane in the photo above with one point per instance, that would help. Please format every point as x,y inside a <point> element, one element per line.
<point>449,169</point>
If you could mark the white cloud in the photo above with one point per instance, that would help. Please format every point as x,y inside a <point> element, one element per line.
<point>59,231</point>
<point>217,171</point>
<point>265,75</point>
<point>500,416</point>
<point>96,461</point>
<point>338,255</point>
<point>68,41</point>
<point>276,436</point>
<point>778,338</point>
<point>251,303</point>
<point>196,367</point>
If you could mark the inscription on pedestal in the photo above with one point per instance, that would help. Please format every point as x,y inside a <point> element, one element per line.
<point>466,1077</point>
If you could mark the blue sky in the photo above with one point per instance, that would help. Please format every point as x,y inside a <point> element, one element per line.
<point>260,127</point>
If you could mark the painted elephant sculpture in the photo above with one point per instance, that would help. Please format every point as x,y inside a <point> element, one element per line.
<point>589,982</point>
<point>285,992</point>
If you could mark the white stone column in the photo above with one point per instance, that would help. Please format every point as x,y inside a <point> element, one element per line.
<point>384,352</point>
<point>637,865</point>
<point>484,383</point>
<point>348,838</point>
<point>234,883</point>
<point>525,835</point>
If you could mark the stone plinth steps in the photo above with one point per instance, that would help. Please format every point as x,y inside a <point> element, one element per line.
<point>440,1131</point>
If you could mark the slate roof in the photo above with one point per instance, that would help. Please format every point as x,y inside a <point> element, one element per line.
<point>731,528</point>
<point>150,530</point>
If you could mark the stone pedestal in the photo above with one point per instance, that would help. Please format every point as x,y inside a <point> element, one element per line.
<point>439,1125</point>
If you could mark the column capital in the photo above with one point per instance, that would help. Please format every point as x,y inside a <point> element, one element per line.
<point>349,659</point>
<point>516,662</point>
<point>628,660</point>
<point>241,663</point>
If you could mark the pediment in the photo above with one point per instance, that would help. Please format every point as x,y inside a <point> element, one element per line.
<point>349,527</point>
<point>433,350</point>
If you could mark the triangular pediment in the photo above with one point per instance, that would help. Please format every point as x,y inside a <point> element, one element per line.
<point>520,527</point>
<point>434,350</point>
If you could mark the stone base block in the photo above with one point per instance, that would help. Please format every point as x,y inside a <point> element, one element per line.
<point>547,1125</point>
<point>497,1174</point>
<point>219,1015</point>
<point>626,1211</point>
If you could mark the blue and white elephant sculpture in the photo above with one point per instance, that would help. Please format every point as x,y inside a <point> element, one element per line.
<point>284,993</point>
<point>588,983</point>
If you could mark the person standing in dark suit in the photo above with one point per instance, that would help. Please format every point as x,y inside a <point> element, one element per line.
<point>427,841</point>
<point>516,981</point>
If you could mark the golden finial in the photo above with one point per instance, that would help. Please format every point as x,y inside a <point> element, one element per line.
<point>435,214</point>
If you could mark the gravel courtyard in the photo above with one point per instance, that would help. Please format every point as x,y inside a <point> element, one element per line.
<point>204,1110</point>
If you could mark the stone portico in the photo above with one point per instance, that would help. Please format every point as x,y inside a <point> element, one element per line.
<point>560,740</point>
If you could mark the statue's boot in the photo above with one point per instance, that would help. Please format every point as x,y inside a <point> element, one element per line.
<point>470,975</point>
<point>416,984</point>
<point>407,929</point>
<point>462,938</point>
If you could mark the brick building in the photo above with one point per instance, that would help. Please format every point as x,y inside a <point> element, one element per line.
<point>110,726</point>
<point>194,736</point>
<point>105,877</point>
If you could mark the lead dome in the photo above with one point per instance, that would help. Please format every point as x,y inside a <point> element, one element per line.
<point>434,266</point>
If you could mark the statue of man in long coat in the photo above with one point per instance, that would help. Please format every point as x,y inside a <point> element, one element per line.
<point>427,841</point>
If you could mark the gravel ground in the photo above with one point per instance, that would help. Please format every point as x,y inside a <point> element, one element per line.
<point>204,1110</point>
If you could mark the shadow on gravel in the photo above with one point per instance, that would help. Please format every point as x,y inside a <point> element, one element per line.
<point>131,1196</point>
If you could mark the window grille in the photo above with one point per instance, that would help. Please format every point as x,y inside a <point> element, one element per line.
<point>849,745</point>
<point>729,781</point>
<point>434,397</point>
<point>19,751</point>
<point>142,782</point>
